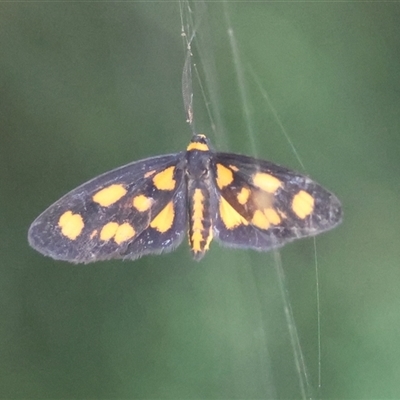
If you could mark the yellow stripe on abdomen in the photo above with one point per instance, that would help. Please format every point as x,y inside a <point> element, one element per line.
<point>200,229</point>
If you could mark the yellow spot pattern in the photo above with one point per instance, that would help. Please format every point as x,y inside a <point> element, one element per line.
<point>164,220</point>
<point>124,233</point>
<point>266,182</point>
<point>303,204</point>
<point>230,217</point>
<point>264,219</point>
<point>108,231</point>
<point>120,233</point>
<point>243,196</point>
<point>164,180</point>
<point>272,216</point>
<point>109,195</point>
<point>260,220</point>
<point>142,203</point>
<point>224,176</point>
<point>71,225</point>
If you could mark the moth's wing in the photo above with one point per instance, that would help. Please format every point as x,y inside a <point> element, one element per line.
<point>125,213</point>
<point>263,206</point>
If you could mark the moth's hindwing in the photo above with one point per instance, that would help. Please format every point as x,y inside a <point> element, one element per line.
<point>134,210</point>
<point>263,206</point>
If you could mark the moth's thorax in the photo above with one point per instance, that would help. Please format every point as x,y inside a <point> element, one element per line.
<point>198,164</point>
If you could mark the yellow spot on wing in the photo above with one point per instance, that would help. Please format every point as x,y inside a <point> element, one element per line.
<point>266,182</point>
<point>164,180</point>
<point>302,204</point>
<point>109,195</point>
<point>108,231</point>
<point>234,168</point>
<point>124,233</point>
<point>142,203</point>
<point>260,220</point>
<point>243,195</point>
<point>164,220</point>
<point>229,216</point>
<point>197,146</point>
<point>120,233</point>
<point>272,216</point>
<point>224,176</point>
<point>71,225</point>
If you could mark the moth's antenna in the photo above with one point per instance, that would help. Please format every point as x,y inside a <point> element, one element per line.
<point>188,32</point>
<point>187,89</point>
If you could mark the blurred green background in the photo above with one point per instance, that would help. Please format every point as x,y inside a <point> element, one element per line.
<point>86,87</point>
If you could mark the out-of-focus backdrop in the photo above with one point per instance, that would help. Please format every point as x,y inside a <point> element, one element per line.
<point>87,87</point>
